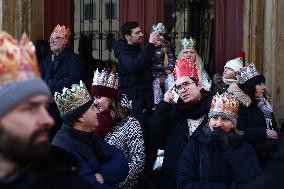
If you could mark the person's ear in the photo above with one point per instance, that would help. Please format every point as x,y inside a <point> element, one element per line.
<point>81,119</point>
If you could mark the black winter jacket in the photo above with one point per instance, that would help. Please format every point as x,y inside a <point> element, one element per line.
<point>204,164</point>
<point>57,170</point>
<point>168,130</point>
<point>135,75</point>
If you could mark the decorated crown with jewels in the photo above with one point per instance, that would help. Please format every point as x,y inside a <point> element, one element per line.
<point>73,98</point>
<point>160,28</point>
<point>225,103</point>
<point>62,31</point>
<point>187,43</point>
<point>247,73</point>
<point>105,84</point>
<point>17,60</point>
<point>185,67</point>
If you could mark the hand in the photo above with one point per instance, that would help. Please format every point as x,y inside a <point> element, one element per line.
<point>99,178</point>
<point>271,134</point>
<point>221,136</point>
<point>169,95</point>
<point>155,38</point>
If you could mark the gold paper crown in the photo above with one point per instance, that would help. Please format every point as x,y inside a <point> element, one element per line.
<point>17,60</point>
<point>187,43</point>
<point>105,79</point>
<point>224,104</point>
<point>62,30</point>
<point>247,73</point>
<point>73,98</point>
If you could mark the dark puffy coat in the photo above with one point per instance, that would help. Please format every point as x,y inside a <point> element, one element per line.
<point>94,155</point>
<point>169,131</point>
<point>135,75</point>
<point>205,165</point>
<point>251,120</point>
<point>70,70</point>
<point>272,176</point>
<point>57,170</point>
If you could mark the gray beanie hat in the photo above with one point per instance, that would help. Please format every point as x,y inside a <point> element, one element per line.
<point>14,93</point>
<point>224,105</point>
<point>19,73</point>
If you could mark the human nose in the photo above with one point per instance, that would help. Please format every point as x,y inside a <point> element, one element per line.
<point>45,119</point>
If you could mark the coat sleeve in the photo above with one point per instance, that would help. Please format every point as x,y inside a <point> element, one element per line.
<point>188,172</point>
<point>252,134</point>
<point>272,176</point>
<point>136,150</point>
<point>116,168</point>
<point>133,64</point>
<point>243,163</point>
<point>158,124</point>
<point>76,72</point>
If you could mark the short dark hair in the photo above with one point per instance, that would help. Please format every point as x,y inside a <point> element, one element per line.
<point>126,28</point>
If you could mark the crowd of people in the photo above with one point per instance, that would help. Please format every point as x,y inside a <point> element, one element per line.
<point>160,122</point>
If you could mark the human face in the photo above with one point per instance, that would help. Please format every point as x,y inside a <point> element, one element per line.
<point>90,118</point>
<point>189,53</point>
<point>221,122</point>
<point>259,90</point>
<point>57,43</point>
<point>102,103</point>
<point>136,36</point>
<point>187,89</point>
<point>24,130</point>
<point>229,73</point>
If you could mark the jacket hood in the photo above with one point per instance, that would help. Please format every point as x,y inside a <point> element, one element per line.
<point>120,46</point>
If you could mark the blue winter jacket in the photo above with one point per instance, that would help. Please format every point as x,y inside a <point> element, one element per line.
<point>114,167</point>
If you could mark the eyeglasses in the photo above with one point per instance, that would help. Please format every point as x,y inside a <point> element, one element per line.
<point>55,38</point>
<point>184,85</point>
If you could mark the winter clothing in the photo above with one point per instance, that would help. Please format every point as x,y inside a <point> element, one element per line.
<point>57,170</point>
<point>207,163</point>
<point>235,64</point>
<point>61,71</point>
<point>171,127</point>
<point>12,94</point>
<point>252,121</point>
<point>127,136</point>
<point>135,75</point>
<point>94,155</point>
<point>19,73</point>
<point>105,123</point>
<point>272,176</point>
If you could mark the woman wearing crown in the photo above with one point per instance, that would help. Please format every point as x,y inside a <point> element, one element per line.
<point>189,51</point>
<point>257,120</point>
<point>218,158</point>
<point>117,126</point>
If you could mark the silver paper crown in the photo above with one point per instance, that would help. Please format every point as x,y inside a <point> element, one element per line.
<point>247,73</point>
<point>73,98</point>
<point>187,43</point>
<point>160,28</point>
<point>125,102</point>
<point>105,79</point>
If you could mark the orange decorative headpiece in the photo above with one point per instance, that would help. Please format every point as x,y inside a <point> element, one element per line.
<point>62,31</point>
<point>224,105</point>
<point>17,60</point>
<point>185,67</point>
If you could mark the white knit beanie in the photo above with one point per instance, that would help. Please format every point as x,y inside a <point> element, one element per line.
<point>235,64</point>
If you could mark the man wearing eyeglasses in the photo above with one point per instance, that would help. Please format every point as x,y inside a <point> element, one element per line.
<point>173,124</point>
<point>61,69</point>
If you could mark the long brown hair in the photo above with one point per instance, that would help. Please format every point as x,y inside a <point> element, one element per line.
<point>117,111</point>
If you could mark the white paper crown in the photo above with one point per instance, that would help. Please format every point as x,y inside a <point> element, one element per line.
<point>105,79</point>
<point>247,73</point>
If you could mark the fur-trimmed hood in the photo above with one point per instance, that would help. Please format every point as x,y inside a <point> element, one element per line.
<point>241,95</point>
